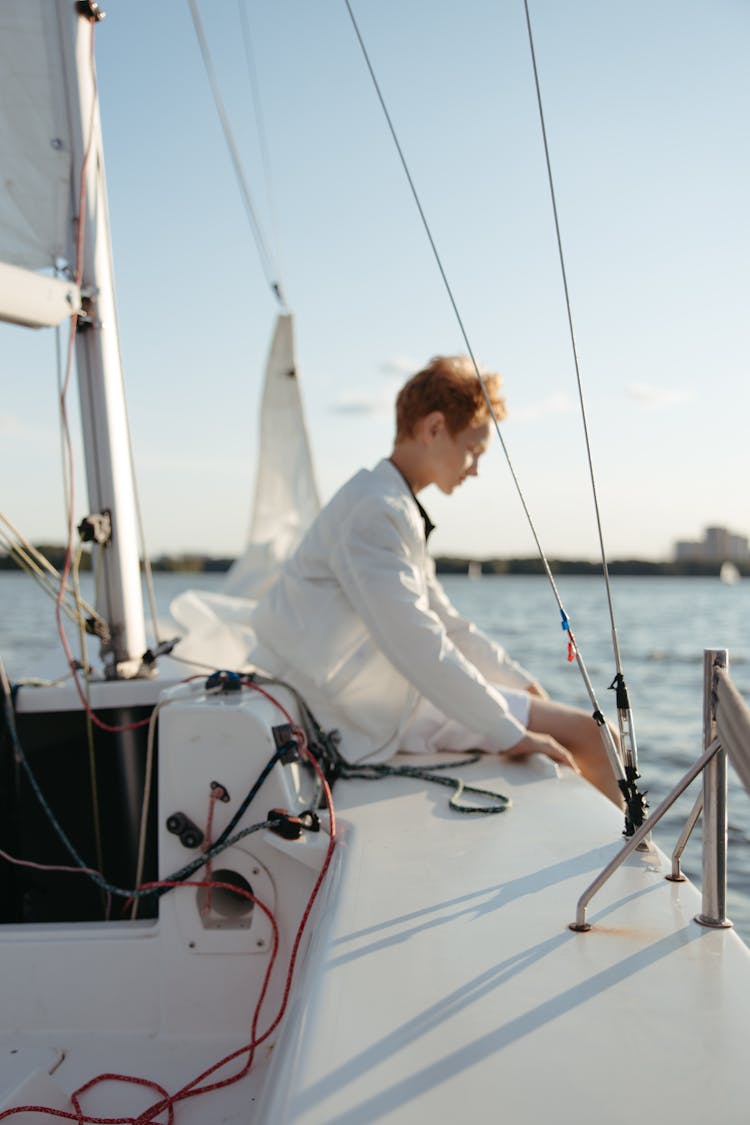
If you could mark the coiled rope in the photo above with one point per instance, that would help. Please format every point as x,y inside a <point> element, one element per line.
<point>496,802</point>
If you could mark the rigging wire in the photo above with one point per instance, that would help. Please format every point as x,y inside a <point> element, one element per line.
<point>60,374</point>
<point>634,801</point>
<point>627,732</point>
<point>267,260</point>
<point>265,152</point>
<point>454,306</point>
<point>65,427</point>
<point>93,781</point>
<point>146,800</point>
<point>38,567</point>
<point>64,375</point>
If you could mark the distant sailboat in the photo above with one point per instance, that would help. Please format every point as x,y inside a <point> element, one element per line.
<point>729,573</point>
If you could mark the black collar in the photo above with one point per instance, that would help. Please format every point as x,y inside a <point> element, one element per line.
<point>429,526</point>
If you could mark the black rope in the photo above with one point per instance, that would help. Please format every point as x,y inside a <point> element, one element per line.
<point>223,842</point>
<point>324,746</point>
<point>201,860</point>
<point>275,757</point>
<point>375,772</point>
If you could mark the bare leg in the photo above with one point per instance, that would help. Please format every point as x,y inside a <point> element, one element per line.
<point>580,735</point>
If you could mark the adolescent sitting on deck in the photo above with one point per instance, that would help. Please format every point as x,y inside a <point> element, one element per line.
<point>359,624</point>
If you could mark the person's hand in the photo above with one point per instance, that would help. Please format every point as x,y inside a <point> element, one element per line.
<point>536,689</point>
<point>533,743</point>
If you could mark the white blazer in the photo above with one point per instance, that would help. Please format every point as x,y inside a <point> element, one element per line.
<point>359,624</point>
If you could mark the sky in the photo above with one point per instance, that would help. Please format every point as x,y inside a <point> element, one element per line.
<point>647,112</point>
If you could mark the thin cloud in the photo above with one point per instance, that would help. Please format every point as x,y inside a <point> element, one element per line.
<point>657,398</point>
<point>361,406</point>
<point>395,370</point>
<point>400,366</point>
<point>11,426</point>
<point>553,404</point>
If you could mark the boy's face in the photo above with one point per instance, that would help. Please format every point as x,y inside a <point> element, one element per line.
<point>456,457</point>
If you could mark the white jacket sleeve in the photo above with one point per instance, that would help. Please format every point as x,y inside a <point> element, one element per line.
<point>371,562</point>
<point>490,658</point>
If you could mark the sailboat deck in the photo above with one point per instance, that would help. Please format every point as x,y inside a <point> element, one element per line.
<point>441,977</point>
<point>453,982</point>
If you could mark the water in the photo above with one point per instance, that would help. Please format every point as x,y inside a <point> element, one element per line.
<point>663,626</point>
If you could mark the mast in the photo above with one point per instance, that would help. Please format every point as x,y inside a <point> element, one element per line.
<point>109,469</point>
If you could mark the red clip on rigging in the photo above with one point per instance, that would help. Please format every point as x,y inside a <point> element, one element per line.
<point>571,639</point>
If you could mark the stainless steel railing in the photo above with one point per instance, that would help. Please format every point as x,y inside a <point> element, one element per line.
<point>726,731</point>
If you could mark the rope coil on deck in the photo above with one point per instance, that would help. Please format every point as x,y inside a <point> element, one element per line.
<point>498,803</point>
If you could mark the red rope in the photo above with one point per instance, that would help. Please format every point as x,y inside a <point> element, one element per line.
<point>67,442</point>
<point>76,1097</point>
<point>193,1088</point>
<point>58,867</point>
<point>168,1101</point>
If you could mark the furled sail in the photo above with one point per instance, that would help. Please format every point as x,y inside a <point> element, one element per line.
<point>217,628</point>
<point>286,495</point>
<point>36,189</point>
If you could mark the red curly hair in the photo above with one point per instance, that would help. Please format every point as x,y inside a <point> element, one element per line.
<point>448,384</point>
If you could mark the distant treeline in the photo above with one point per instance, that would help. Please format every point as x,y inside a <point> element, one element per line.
<point>681,568</point>
<point>205,564</point>
<point>185,564</point>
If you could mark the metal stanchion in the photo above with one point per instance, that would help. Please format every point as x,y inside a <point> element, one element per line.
<point>714,901</point>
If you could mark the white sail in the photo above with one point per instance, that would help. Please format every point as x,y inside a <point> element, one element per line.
<point>216,628</point>
<point>286,495</point>
<point>36,143</point>
<point>48,124</point>
<point>35,137</point>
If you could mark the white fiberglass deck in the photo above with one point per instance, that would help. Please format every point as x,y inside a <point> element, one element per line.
<point>442,980</point>
<point>452,982</point>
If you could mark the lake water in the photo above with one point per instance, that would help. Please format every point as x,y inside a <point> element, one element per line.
<point>663,624</point>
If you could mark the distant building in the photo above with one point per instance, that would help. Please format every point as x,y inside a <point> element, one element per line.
<point>717,545</point>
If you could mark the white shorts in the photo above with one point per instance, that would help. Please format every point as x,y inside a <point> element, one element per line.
<point>429,730</point>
